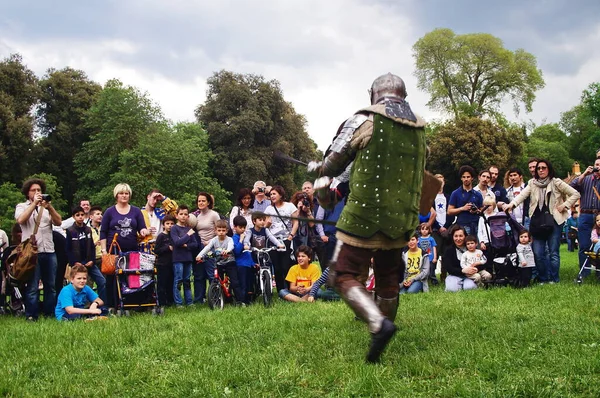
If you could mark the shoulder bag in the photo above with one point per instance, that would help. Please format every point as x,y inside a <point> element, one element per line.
<point>109,260</point>
<point>23,258</point>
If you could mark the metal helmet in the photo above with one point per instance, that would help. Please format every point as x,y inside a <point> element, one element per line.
<point>387,86</point>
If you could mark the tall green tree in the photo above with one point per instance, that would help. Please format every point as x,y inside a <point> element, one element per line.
<point>18,94</point>
<point>175,161</point>
<point>247,120</point>
<point>472,74</point>
<point>475,142</point>
<point>582,125</point>
<point>10,196</point>
<point>66,96</point>
<point>118,119</point>
<point>550,142</point>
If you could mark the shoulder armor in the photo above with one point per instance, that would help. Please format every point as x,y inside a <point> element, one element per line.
<point>343,138</point>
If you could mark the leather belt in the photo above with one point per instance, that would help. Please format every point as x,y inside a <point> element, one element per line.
<point>589,211</point>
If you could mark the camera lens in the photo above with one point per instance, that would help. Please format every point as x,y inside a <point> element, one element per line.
<point>46,197</point>
<point>595,169</point>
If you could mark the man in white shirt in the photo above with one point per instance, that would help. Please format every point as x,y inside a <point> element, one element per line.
<point>515,177</point>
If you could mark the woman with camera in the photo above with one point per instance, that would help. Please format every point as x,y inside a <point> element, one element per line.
<point>550,199</point>
<point>307,232</point>
<point>279,222</point>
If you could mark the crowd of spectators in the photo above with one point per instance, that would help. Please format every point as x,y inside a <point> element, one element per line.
<point>453,238</point>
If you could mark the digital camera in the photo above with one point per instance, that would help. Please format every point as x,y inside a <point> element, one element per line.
<point>46,197</point>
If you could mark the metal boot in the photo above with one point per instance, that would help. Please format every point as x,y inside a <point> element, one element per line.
<point>388,307</point>
<point>364,307</point>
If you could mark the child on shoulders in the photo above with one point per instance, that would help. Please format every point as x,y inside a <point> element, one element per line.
<point>73,297</point>
<point>301,276</point>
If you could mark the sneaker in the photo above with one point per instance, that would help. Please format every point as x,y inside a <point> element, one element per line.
<point>380,340</point>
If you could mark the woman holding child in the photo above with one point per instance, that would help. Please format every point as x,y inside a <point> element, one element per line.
<point>284,229</point>
<point>458,277</point>
<point>206,218</point>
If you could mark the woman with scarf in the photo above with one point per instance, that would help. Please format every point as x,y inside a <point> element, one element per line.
<point>550,199</point>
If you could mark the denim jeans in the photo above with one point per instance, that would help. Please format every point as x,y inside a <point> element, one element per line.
<point>182,273</point>
<point>456,283</point>
<point>415,287</point>
<point>584,236</point>
<point>548,268</point>
<point>45,269</point>
<point>95,274</point>
<point>203,272</point>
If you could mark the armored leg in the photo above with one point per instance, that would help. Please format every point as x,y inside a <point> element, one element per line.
<point>388,307</point>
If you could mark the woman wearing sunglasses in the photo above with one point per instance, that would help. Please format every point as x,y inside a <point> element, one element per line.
<point>550,200</point>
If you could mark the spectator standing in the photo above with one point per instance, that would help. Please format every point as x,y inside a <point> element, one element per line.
<point>588,184</point>
<point>184,248</point>
<point>206,227</point>
<point>326,231</point>
<point>515,178</point>
<point>284,229</point>
<point>243,207</point>
<point>81,250</point>
<point>571,228</point>
<point>85,205</point>
<point>125,221</point>
<point>164,262</point>
<point>465,202</point>
<point>153,214</point>
<point>260,191</point>
<point>495,186</point>
<point>553,195</point>
<point>26,214</point>
<point>482,185</point>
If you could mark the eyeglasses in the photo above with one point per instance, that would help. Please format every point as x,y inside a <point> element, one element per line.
<point>542,168</point>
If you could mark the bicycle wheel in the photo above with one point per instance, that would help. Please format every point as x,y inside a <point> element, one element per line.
<point>215,296</point>
<point>267,288</point>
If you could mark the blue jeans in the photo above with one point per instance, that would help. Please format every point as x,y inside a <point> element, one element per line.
<point>548,268</point>
<point>203,272</point>
<point>97,277</point>
<point>415,287</point>
<point>584,236</point>
<point>182,273</point>
<point>45,269</point>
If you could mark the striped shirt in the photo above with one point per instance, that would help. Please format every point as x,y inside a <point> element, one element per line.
<point>589,200</point>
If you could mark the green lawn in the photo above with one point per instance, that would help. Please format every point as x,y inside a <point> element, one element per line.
<point>542,341</point>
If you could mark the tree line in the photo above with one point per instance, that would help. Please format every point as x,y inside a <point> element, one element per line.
<point>83,138</point>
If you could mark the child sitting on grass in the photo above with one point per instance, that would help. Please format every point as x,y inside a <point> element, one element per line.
<point>416,271</point>
<point>73,297</point>
<point>301,277</point>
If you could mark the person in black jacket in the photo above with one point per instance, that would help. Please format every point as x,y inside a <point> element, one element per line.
<point>458,277</point>
<point>163,249</point>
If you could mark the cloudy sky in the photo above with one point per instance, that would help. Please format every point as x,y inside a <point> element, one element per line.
<point>324,53</point>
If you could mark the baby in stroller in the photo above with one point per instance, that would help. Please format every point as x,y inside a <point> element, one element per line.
<point>503,237</point>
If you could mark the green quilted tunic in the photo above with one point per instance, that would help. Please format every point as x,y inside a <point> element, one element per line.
<point>386,181</point>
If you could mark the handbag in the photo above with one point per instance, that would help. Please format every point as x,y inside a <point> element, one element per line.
<point>109,260</point>
<point>542,223</point>
<point>23,258</point>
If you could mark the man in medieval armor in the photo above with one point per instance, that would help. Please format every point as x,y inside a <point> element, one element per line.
<point>385,143</point>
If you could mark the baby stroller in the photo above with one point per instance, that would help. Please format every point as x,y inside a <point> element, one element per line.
<point>136,283</point>
<point>592,263</point>
<point>11,300</point>
<point>503,236</point>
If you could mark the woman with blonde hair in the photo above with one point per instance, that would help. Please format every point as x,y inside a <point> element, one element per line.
<point>125,221</point>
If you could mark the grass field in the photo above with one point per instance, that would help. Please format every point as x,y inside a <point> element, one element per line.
<point>539,342</point>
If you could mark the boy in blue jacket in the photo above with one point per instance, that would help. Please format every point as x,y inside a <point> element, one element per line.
<point>243,258</point>
<point>184,247</point>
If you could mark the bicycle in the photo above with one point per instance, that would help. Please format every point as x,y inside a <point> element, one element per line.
<point>263,281</point>
<point>219,289</point>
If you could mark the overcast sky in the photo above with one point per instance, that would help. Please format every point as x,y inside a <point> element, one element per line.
<point>324,53</point>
